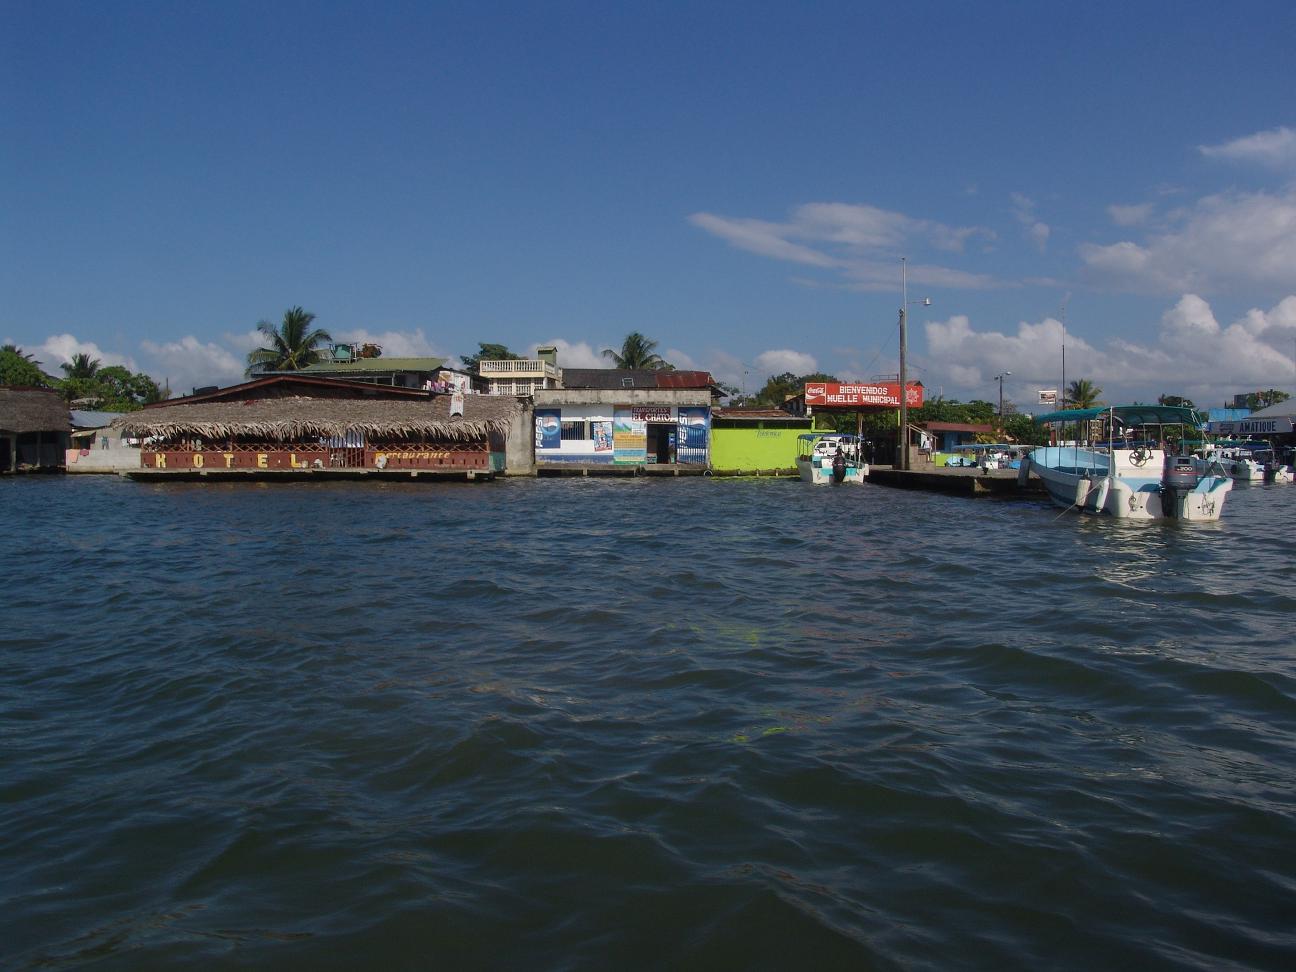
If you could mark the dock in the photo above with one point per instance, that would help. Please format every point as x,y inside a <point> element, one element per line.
<point>553,469</point>
<point>959,481</point>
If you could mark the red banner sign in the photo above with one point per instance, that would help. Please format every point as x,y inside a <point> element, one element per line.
<point>881,394</point>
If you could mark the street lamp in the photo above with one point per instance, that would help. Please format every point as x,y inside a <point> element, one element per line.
<point>1000,378</point>
<point>904,377</point>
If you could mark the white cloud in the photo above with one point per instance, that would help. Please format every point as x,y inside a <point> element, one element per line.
<point>859,242</point>
<point>1037,232</point>
<point>777,362</point>
<point>58,349</point>
<point>682,360</point>
<point>1187,352</point>
<point>1129,215</point>
<point>575,355</point>
<point>189,363</point>
<point>1223,241</point>
<point>1275,148</point>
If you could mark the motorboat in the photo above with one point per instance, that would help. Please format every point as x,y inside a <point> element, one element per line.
<point>830,457</point>
<point>1127,475</point>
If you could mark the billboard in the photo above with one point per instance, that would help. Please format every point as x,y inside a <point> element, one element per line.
<point>878,394</point>
<point>548,422</point>
<point>629,437</point>
<point>1048,396</point>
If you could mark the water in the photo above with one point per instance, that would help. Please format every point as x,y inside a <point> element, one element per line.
<point>640,724</point>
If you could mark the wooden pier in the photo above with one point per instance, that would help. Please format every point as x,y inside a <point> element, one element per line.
<point>959,481</point>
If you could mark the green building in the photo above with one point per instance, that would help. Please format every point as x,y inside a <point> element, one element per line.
<point>755,441</point>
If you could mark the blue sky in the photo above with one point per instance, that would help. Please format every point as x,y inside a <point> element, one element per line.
<point>738,181</point>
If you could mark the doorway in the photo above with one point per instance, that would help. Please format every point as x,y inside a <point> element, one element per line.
<point>661,442</point>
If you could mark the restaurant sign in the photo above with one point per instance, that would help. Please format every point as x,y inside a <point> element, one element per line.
<point>882,394</point>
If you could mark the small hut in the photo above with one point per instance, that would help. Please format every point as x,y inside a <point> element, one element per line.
<point>34,429</point>
<point>288,425</point>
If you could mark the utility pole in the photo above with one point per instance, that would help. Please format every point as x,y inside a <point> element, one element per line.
<point>902,447</point>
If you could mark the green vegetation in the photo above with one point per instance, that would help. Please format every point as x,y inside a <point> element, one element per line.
<point>1082,393</point>
<point>1263,399</point>
<point>290,346</point>
<point>638,351</point>
<point>21,369</point>
<point>487,352</point>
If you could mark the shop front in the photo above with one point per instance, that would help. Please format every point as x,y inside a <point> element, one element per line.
<point>622,434</point>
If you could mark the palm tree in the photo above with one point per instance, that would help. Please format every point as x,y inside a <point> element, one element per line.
<point>81,366</point>
<point>291,345</point>
<point>637,352</point>
<point>26,356</point>
<point>1082,393</point>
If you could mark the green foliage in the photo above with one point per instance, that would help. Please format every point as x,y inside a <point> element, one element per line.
<point>638,351</point>
<point>290,346</point>
<point>19,369</point>
<point>81,367</point>
<point>1023,430</point>
<point>779,388</point>
<point>112,389</point>
<point>1082,393</point>
<point>1263,399</point>
<point>487,352</point>
<point>1175,401</point>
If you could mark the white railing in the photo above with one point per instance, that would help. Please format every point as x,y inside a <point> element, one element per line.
<point>520,369</point>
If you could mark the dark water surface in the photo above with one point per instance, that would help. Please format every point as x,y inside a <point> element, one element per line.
<point>640,724</point>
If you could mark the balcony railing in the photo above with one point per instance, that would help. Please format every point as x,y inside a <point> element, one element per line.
<point>524,368</point>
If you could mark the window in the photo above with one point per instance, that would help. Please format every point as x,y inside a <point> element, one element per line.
<point>575,430</point>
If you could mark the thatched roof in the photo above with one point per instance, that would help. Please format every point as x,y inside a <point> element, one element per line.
<point>33,410</point>
<point>297,418</point>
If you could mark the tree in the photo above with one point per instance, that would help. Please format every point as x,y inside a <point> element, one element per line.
<point>1082,393</point>
<point>779,388</point>
<point>1263,399</point>
<point>13,348</point>
<point>1175,401</point>
<point>487,352</point>
<point>638,352</point>
<point>19,369</point>
<point>290,346</point>
<point>82,366</point>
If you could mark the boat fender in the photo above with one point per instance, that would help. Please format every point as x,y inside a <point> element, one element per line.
<point>1100,494</point>
<point>1081,492</point>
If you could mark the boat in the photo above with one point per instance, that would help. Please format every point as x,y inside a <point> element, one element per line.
<point>1128,476</point>
<point>830,457</point>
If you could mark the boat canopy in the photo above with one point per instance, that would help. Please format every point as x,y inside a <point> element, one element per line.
<point>1128,415</point>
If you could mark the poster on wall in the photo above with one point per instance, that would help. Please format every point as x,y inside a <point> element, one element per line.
<point>601,433</point>
<point>693,426</point>
<point>548,434</point>
<point>629,437</point>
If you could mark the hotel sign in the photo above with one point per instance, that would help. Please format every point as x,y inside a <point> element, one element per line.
<point>883,394</point>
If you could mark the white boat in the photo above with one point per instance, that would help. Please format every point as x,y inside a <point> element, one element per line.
<point>1127,478</point>
<point>830,457</point>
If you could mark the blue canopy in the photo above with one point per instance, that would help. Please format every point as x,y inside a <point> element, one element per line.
<point>1128,415</point>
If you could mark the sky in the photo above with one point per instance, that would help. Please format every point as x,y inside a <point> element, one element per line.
<point>739,181</point>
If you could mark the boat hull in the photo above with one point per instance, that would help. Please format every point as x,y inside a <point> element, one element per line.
<point>1087,486</point>
<point>813,470</point>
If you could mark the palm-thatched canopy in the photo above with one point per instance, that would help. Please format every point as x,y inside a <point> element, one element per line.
<point>295,419</point>
<point>33,410</point>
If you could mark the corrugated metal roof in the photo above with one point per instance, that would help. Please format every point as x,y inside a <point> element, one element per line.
<point>613,378</point>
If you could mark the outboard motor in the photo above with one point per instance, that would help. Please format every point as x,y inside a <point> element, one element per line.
<point>839,467</point>
<point>1178,478</point>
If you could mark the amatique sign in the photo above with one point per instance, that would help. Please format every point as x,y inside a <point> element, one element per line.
<point>1252,426</point>
<point>885,394</point>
